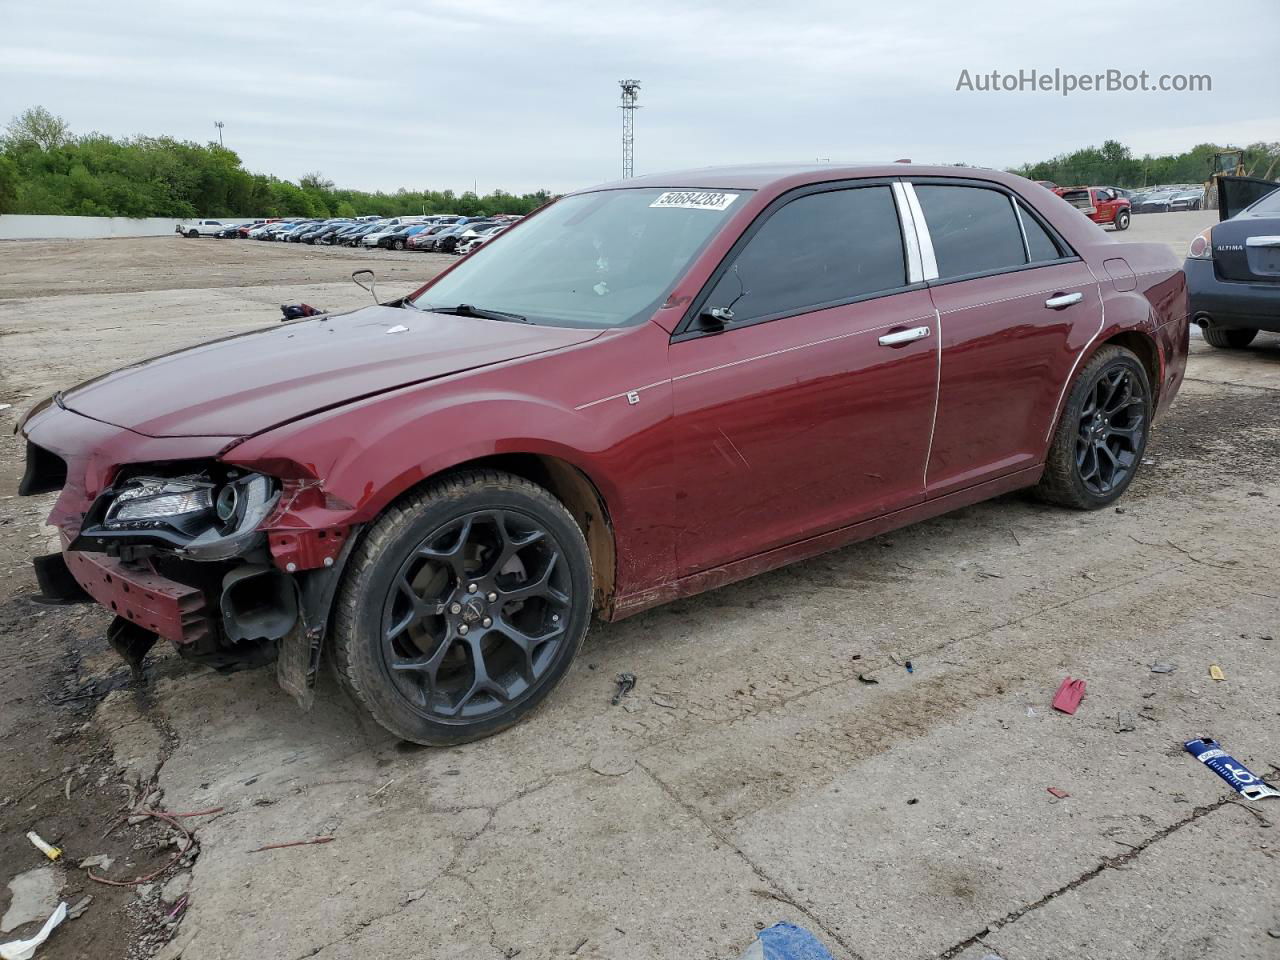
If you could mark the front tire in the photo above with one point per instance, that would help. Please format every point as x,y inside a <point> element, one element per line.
<point>1122,220</point>
<point>398,245</point>
<point>463,608</point>
<point>1102,435</point>
<point>1228,339</point>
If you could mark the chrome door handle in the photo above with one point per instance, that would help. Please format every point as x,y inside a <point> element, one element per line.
<point>1063,300</point>
<point>904,336</point>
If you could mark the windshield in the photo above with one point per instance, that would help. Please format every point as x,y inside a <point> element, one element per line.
<point>599,259</point>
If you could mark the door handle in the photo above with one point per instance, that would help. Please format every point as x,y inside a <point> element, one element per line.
<point>1060,301</point>
<point>899,337</point>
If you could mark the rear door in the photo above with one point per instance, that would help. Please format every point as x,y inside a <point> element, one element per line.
<point>812,408</point>
<point>1016,307</point>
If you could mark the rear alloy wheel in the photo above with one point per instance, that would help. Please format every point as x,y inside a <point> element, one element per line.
<point>1228,339</point>
<point>1102,434</point>
<point>1122,220</point>
<point>463,608</point>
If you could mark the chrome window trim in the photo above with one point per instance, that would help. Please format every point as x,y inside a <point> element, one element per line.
<point>910,236</point>
<point>1022,227</point>
<point>928,261</point>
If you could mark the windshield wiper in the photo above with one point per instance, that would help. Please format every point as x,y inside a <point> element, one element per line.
<point>467,310</point>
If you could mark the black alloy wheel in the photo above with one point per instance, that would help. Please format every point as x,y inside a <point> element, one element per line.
<point>1111,431</point>
<point>1102,434</point>
<point>462,608</point>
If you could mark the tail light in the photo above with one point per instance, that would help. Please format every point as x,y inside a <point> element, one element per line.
<point>1202,246</point>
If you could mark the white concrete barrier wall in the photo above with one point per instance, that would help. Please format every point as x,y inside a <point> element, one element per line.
<point>16,226</point>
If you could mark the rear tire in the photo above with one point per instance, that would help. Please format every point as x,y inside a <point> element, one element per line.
<point>462,608</point>
<point>1109,406</point>
<point>1228,339</point>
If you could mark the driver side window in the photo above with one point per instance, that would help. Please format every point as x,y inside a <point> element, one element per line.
<point>817,251</point>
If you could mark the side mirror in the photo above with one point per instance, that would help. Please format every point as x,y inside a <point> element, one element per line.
<point>364,280</point>
<point>716,319</point>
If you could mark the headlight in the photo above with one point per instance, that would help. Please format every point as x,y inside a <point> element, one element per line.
<point>209,515</point>
<point>149,498</point>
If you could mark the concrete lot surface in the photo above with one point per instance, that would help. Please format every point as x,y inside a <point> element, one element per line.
<point>754,775</point>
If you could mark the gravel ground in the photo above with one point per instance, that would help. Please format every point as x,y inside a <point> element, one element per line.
<point>752,776</point>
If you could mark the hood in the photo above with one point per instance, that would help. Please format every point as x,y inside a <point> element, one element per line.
<point>251,382</point>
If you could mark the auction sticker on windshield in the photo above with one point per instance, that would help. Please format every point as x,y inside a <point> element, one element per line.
<point>695,200</point>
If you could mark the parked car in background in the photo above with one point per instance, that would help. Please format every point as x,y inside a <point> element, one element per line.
<point>199,228</point>
<point>1233,275</point>
<point>448,241</point>
<point>425,240</point>
<point>230,232</point>
<point>1191,198</point>
<point>1099,204</point>
<point>643,355</point>
<point>466,246</point>
<point>399,239</point>
<point>387,230</point>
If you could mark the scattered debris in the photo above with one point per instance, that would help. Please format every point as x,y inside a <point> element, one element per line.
<point>661,701</point>
<point>32,895</point>
<point>292,843</point>
<point>398,328</point>
<point>626,683</point>
<point>50,851</point>
<point>910,668</point>
<point>1239,777</point>
<point>1058,792</point>
<point>896,659</point>
<point>1126,722</point>
<point>862,677</point>
<point>99,860</point>
<point>26,949</point>
<point>295,311</point>
<point>77,909</point>
<point>176,887</point>
<point>178,908</point>
<point>378,791</point>
<point>1031,712</point>
<point>174,820</point>
<point>1215,671</point>
<point>913,801</point>
<point>1069,695</point>
<point>5,406</point>
<point>1162,668</point>
<point>413,896</point>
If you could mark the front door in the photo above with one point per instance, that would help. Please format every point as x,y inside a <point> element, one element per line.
<point>812,408</point>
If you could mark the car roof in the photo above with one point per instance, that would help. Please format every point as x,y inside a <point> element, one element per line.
<point>780,176</point>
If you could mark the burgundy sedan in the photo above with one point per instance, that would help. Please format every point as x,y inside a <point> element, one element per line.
<point>645,390</point>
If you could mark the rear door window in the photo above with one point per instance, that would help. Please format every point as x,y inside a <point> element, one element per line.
<point>819,250</point>
<point>974,230</point>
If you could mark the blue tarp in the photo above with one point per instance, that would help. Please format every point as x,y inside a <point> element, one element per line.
<point>785,941</point>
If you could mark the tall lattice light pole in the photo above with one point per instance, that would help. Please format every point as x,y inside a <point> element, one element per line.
<point>219,124</point>
<point>630,91</point>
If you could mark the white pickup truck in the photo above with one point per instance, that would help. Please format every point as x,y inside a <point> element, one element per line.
<point>199,228</point>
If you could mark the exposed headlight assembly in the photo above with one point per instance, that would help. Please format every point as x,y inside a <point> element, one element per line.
<point>193,515</point>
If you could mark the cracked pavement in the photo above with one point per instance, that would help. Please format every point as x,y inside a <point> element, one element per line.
<point>752,776</point>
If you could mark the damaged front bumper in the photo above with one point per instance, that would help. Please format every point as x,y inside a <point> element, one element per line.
<point>225,564</point>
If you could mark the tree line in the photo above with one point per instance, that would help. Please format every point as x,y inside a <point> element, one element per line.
<point>1113,164</point>
<point>45,169</point>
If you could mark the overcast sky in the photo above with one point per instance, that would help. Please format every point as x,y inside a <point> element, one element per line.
<point>522,94</point>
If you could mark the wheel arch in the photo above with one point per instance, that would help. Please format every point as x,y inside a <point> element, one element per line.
<point>579,494</point>
<point>1143,346</point>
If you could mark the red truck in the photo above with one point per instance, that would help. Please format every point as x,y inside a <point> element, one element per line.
<point>1102,205</point>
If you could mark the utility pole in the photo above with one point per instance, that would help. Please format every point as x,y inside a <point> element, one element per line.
<point>630,91</point>
<point>219,125</point>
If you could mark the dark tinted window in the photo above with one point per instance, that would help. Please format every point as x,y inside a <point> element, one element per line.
<point>818,249</point>
<point>1043,247</point>
<point>1268,204</point>
<point>973,230</point>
